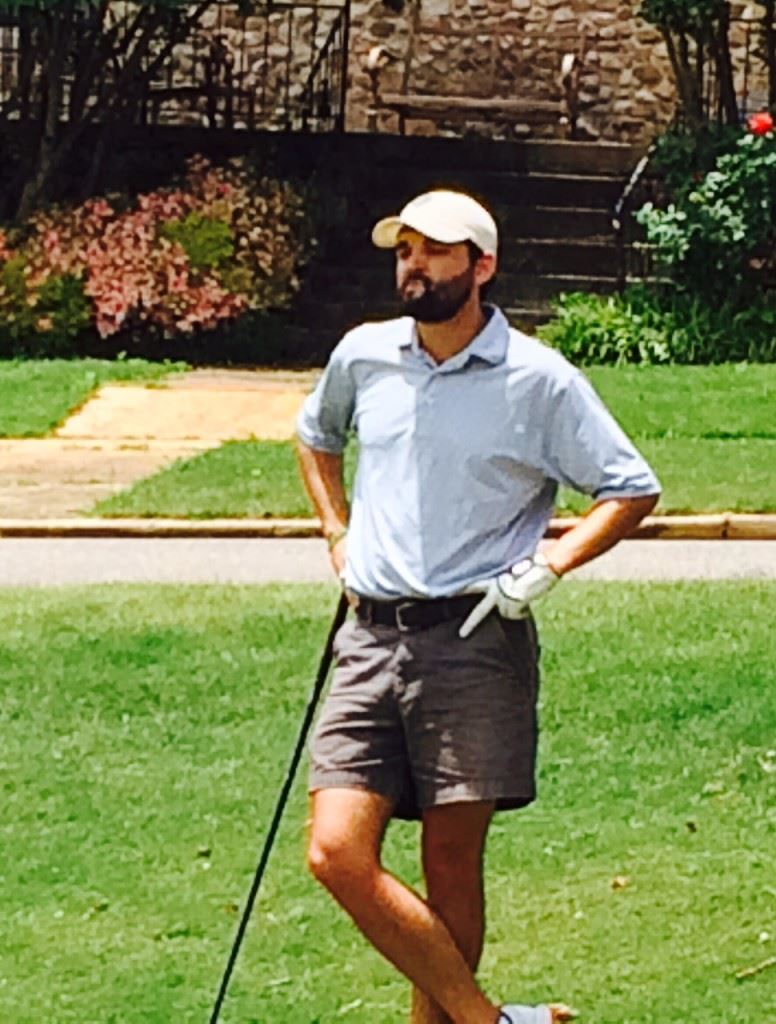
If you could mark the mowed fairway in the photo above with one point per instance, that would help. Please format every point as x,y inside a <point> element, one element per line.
<point>146,732</point>
<point>709,432</point>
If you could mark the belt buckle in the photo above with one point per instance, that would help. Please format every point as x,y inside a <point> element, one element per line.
<point>401,623</point>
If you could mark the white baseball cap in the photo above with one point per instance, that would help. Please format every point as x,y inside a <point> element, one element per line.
<point>444,216</point>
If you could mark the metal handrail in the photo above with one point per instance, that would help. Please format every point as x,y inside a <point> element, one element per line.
<point>621,210</point>
<point>340,28</point>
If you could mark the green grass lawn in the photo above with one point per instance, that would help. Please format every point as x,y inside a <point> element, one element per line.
<point>700,475</point>
<point>240,479</point>
<point>260,478</point>
<point>36,395</point>
<point>709,431</point>
<point>732,401</point>
<point>146,732</point>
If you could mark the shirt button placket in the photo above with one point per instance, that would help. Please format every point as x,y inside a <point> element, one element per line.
<point>424,422</point>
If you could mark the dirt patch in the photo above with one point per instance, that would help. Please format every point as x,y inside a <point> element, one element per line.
<point>55,478</point>
<point>194,412</point>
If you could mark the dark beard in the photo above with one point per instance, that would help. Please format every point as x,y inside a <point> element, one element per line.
<point>440,301</point>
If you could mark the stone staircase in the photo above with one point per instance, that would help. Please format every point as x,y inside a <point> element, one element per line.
<point>553,200</point>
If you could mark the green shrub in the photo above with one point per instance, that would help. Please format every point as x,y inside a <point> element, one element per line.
<point>717,238</point>
<point>62,301</point>
<point>603,329</point>
<point>642,326</point>
<point>41,319</point>
<point>682,157</point>
<point>206,241</point>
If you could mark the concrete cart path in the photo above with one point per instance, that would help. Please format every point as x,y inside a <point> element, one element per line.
<point>126,432</point>
<point>31,562</point>
<point>54,478</point>
<point>211,406</point>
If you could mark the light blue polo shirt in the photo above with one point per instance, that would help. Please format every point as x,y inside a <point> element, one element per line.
<point>459,462</point>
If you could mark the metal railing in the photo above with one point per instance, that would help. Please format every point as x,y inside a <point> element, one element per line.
<point>263,65</point>
<point>634,254</point>
<point>324,97</point>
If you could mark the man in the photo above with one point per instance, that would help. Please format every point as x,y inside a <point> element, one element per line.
<point>465,429</point>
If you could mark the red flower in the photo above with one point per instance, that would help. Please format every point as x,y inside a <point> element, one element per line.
<point>760,124</point>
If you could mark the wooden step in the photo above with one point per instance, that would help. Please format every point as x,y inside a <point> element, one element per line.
<point>525,290</point>
<point>497,191</point>
<point>547,155</point>
<point>374,277</point>
<point>354,242</point>
<point>559,256</point>
<point>556,222</point>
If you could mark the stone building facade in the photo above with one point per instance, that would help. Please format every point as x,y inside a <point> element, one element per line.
<point>486,49</point>
<point>514,49</point>
<point>494,51</point>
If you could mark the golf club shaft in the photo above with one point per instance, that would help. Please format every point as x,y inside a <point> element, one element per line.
<point>320,682</point>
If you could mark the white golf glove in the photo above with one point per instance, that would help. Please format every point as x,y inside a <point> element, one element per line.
<point>510,593</point>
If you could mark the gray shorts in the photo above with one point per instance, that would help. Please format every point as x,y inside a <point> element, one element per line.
<point>426,718</point>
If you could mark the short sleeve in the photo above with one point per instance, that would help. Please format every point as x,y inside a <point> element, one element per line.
<point>325,416</point>
<point>585,447</point>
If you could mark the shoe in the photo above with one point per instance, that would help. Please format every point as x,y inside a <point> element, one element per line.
<point>555,1013</point>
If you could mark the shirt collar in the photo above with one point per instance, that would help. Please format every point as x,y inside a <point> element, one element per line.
<point>490,345</point>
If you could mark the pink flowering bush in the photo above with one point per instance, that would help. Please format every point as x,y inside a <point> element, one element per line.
<point>172,262</point>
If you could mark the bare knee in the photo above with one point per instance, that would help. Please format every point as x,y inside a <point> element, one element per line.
<point>339,864</point>
<point>346,830</point>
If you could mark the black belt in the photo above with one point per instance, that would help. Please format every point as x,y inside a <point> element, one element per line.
<point>414,614</point>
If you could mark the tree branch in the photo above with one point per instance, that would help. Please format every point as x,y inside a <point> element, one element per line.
<point>59,36</point>
<point>685,81</point>
<point>720,50</point>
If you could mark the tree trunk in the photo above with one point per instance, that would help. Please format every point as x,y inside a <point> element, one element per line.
<point>59,37</point>
<point>26,65</point>
<point>118,110</point>
<point>133,84</point>
<point>95,47</point>
<point>22,107</point>
<point>720,50</point>
<point>97,162</point>
<point>130,40</point>
<point>686,83</point>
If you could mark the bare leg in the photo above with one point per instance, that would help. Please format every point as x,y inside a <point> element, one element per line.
<point>344,855</point>
<point>453,842</point>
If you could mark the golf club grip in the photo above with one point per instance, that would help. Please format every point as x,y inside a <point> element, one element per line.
<point>320,682</point>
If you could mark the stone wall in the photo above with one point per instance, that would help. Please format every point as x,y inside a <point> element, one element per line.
<point>267,58</point>
<point>750,71</point>
<point>513,49</point>
<point>498,49</point>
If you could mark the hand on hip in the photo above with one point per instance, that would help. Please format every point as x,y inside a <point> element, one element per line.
<point>511,593</point>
